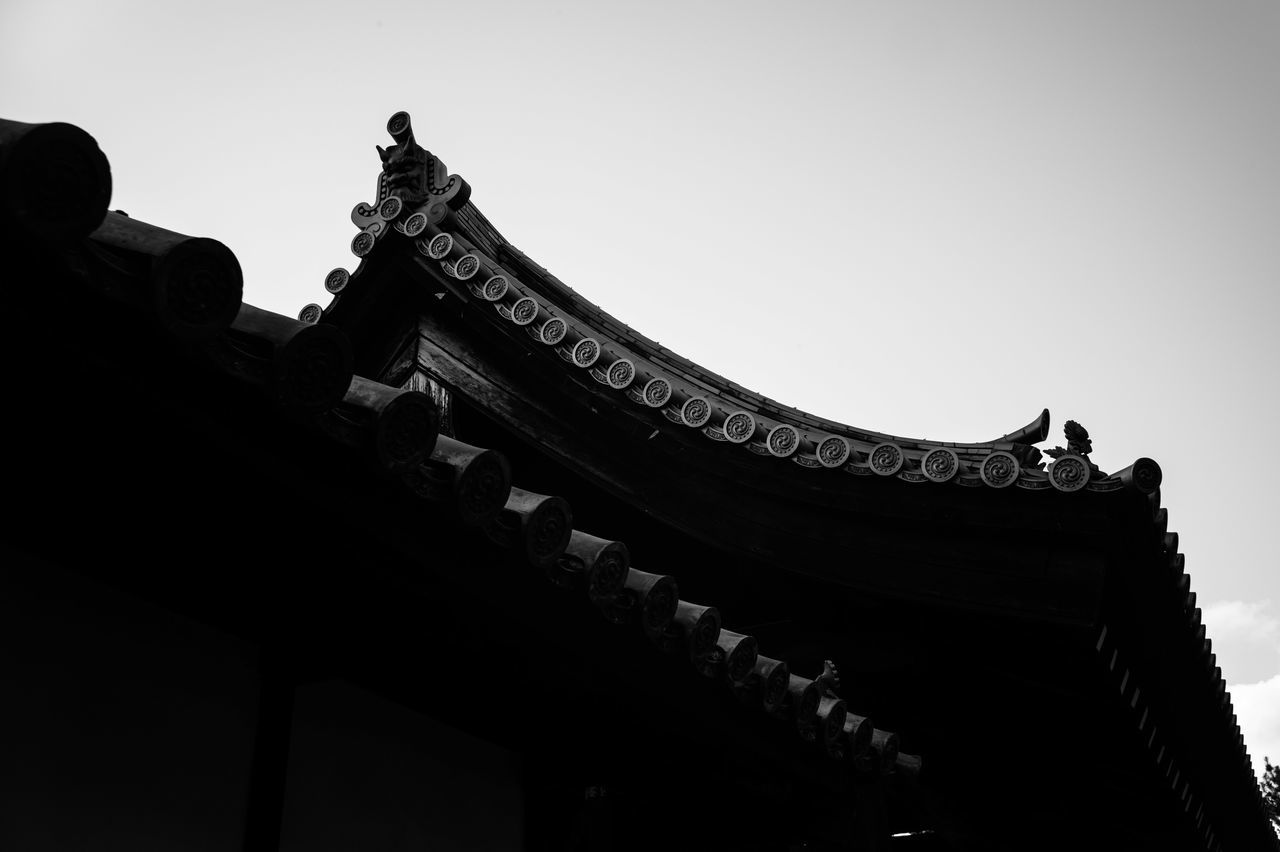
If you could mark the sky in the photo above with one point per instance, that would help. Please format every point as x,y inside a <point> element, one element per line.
<point>931,219</point>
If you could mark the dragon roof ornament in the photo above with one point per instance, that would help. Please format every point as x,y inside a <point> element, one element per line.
<point>415,190</point>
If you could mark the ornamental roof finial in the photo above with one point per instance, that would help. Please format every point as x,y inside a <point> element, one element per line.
<point>1078,444</point>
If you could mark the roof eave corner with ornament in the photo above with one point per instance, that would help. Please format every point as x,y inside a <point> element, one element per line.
<point>430,213</point>
<point>419,201</point>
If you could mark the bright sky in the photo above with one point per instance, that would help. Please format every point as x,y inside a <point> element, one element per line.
<point>925,218</point>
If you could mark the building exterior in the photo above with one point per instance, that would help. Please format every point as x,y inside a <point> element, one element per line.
<point>459,561</point>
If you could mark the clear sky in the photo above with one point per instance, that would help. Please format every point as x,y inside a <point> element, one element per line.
<point>925,218</point>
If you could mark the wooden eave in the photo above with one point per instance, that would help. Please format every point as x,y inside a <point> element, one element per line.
<point>1018,545</point>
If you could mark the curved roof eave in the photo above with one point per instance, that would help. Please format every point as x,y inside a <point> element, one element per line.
<point>429,211</point>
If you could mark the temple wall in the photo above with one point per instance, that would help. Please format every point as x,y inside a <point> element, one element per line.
<point>365,773</point>
<point>124,726</point>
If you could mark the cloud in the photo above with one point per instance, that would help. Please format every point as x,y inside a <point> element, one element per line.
<point>1257,708</point>
<point>1246,638</point>
<point>1244,619</point>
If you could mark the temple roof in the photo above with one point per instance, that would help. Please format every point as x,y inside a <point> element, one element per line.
<point>158,322</point>
<point>771,482</point>
<point>722,464</point>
